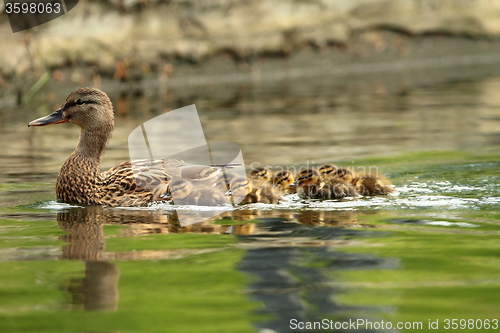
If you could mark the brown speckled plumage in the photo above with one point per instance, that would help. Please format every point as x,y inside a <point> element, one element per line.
<point>80,180</point>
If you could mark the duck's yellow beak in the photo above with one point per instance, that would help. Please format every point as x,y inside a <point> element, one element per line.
<point>55,117</point>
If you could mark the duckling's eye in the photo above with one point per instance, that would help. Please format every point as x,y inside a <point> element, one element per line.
<point>79,102</point>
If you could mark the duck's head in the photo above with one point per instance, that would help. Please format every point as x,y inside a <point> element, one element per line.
<point>260,174</point>
<point>180,189</point>
<point>240,186</point>
<point>328,170</point>
<point>89,108</point>
<point>308,177</point>
<point>283,179</point>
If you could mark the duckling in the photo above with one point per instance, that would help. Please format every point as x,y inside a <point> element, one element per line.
<point>267,193</point>
<point>241,190</point>
<point>346,174</point>
<point>311,186</point>
<point>245,192</point>
<point>328,171</point>
<point>331,171</point>
<point>369,184</point>
<point>340,189</point>
<point>223,182</point>
<point>260,175</point>
<point>184,192</point>
<point>209,197</point>
<point>283,180</point>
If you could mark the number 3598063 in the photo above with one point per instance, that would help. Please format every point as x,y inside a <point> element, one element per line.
<point>455,324</point>
<point>32,7</point>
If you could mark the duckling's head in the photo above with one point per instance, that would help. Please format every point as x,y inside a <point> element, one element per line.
<point>89,108</point>
<point>308,177</point>
<point>328,170</point>
<point>283,179</point>
<point>180,188</point>
<point>224,180</point>
<point>260,174</point>
<point>240,186</point>
<point>345,174</point>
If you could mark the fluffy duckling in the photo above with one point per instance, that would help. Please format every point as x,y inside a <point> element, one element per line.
<point>346,174</point>
<point>283,180</point>
<point>328,171</point>
<point>184,192</point>
<point>340,189</point>
<point>331,171</point>
<point>268,193</point>
<point>369,184</point>
<point>260,175</point>
<point>242,191</point>
<point>311,186</point>
<point>223,181</point>
<point>245,192</point>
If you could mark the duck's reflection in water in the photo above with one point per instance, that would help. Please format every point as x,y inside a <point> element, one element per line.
<point>84,238</point>
<point>98,288</point>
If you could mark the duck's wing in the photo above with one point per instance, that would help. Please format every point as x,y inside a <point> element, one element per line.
<point>135,183</point>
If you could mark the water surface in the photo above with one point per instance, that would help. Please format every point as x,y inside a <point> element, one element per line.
<point>428,253</point>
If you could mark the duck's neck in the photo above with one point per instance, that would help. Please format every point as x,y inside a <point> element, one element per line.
<point>92,144</point>
<point>86,159</point>
<point>79,179</point>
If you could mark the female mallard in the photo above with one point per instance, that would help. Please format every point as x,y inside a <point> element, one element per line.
<point>80,179</point>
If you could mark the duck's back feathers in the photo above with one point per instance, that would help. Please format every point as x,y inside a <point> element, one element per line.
<point>134,183</point>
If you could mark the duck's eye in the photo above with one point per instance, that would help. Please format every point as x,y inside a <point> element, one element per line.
<point>79,102</point>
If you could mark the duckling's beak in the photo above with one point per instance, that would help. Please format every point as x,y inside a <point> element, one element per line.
<point>55,117</point>
<point>229,193</point>
<point>294,184</point>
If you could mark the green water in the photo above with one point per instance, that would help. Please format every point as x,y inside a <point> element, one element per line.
<point>426,255</point>
<point>430,253</point>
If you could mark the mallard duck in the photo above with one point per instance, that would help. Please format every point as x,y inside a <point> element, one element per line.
<point>184,192</point>
<point>80,179</point>
<point>131,183</point>
<point>311,186</point>
<point>283,180</point>
<point>370,184</point>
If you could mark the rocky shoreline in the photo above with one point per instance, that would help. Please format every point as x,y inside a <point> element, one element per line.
<point>222,41</point>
